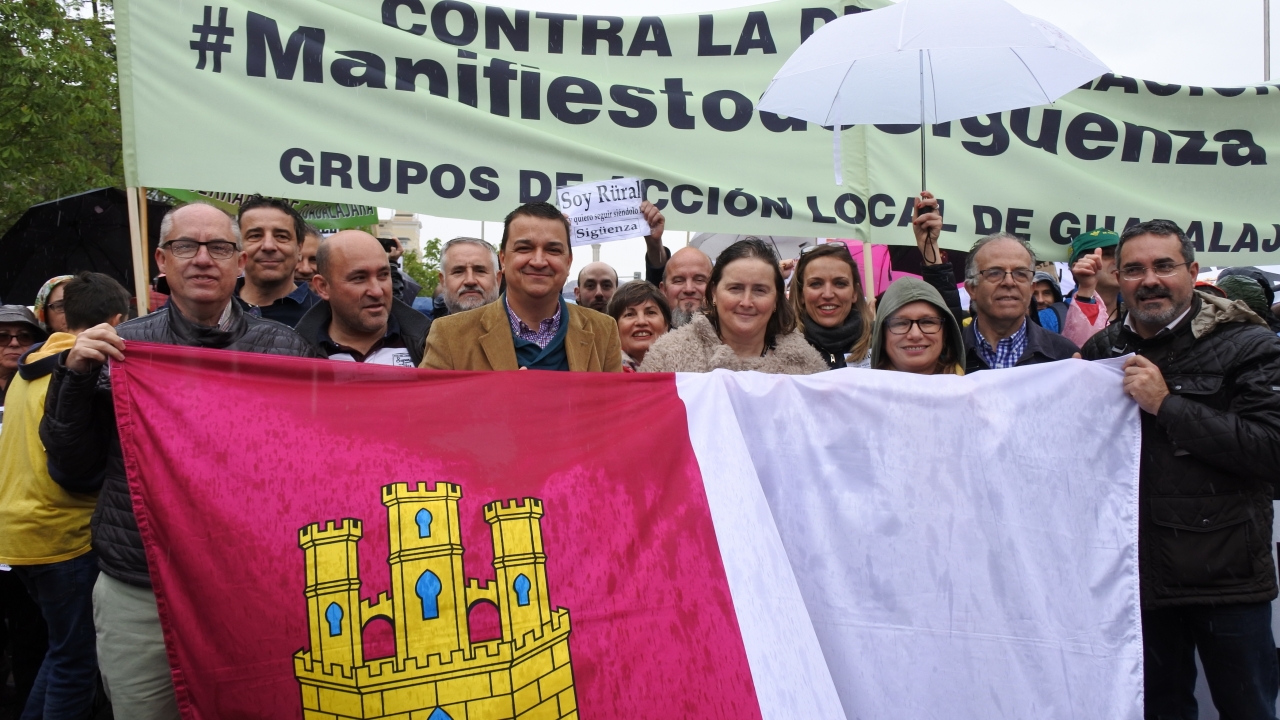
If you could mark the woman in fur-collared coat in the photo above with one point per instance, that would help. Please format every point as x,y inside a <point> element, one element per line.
<point>748,324</point>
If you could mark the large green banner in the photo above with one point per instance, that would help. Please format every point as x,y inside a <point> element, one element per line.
<point>465,110</point>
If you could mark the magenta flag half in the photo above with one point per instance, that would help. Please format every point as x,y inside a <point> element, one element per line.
<point>329,540</point>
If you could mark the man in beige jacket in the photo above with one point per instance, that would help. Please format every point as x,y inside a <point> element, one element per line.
<point>531,327</point>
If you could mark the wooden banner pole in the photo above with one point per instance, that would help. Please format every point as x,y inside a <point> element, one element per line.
<point>868,271</point>
<point>144,261</point>
<point>138,244</point>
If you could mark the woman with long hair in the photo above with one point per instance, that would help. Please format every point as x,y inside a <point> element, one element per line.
<point>827,297</point>
<point>915,332</point>
<point>747,325</point>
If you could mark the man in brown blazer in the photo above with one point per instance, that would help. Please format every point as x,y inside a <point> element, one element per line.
<point>530,327</point>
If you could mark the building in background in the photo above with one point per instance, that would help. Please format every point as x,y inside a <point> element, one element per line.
<point>405,226</point>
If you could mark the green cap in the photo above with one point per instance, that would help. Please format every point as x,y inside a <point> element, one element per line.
<point>1100,238</point>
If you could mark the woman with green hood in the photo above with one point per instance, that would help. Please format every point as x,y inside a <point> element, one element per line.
<point>915,333</point>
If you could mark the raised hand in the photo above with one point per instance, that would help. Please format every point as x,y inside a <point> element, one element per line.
<point>927,226</point>
<point>1085,271</point>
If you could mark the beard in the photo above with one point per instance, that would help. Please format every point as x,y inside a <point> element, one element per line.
<point>680,317</point>
<point>1156,318</point>
<point>461,303</point>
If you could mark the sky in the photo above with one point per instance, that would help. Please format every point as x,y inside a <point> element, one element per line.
<point>1173,41</point>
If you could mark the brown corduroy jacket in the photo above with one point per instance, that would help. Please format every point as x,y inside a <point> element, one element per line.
<point>480,339</point>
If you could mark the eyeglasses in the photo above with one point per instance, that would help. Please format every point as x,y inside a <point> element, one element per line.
<point>996,275</point>
<point>218,249</point>
<point>56,306</point>
<point>1161,269</point>
<point>902,326</point>
<point>24,338</point>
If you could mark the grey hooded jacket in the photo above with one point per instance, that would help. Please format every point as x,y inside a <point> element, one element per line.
<point>902,293</point>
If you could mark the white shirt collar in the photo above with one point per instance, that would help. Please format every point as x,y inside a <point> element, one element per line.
<point>224,322</point>
<point>1128,321</point>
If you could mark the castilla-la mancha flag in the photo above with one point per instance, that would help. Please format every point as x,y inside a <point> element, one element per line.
<point>331,541</point>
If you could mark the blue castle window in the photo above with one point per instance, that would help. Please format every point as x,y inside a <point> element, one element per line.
<point>333,614</point>
<point>428,589</point>
<point>423,518</point>
<point>521,586</point>
<point>439,714</point>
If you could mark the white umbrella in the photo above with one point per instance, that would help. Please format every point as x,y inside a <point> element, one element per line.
<point>714,243</point>
<point>927,61</point>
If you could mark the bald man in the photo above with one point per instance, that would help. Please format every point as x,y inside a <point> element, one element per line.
<point>685,283</point>
<point>359,319</point>
<point>596,285</point>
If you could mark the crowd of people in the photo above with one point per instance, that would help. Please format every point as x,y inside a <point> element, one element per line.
<point>1204,370</point>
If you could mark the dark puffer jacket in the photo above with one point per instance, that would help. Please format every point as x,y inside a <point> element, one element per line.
<point>1209,457</point>
<point>79,426</point>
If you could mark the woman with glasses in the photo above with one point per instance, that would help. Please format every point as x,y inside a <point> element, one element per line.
<point>747,325</point>
<point>915,333</point>
<point>49,306</point>
<point>827,297</point>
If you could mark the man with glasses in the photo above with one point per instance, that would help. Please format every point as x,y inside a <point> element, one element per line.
<point>200,255</point>
<point>998,277</point>
<point>1205,372</point>
<point>18,332</point>
<point>273,233</point>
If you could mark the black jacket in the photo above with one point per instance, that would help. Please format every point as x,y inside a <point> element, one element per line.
<point>414,327</point>
<point>1209,457</point>
<point>79,426</point>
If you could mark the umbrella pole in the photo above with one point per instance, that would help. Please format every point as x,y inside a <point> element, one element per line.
<point>923,184</point>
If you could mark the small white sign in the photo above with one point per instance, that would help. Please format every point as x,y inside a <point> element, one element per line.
<point>603,211</point>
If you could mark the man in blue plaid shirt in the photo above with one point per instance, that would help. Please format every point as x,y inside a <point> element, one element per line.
<point>998,277</point>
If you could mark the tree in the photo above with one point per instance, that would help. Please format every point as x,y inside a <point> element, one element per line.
<point>59,105</point>
<point>425,270</point>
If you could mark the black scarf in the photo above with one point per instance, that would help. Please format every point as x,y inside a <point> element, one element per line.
<point>196,335</point>
<point>834,343</point>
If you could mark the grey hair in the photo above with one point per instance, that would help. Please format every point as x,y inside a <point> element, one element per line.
<point>166,223</point>
<point>470,241</point>
<point>971,264</point>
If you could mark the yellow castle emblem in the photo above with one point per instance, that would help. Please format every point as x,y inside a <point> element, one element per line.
<point>437,672</point>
